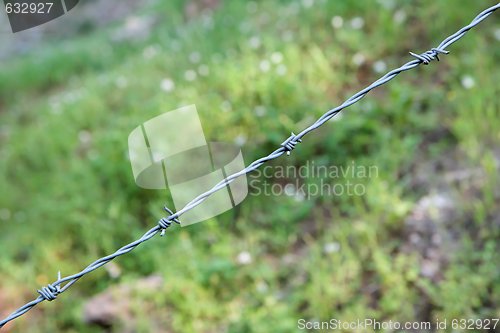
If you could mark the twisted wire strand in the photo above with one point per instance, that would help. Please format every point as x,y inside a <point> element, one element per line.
<point>50,292</point>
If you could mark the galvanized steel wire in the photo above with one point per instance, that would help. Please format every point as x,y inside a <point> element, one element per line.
<point>50,292</point>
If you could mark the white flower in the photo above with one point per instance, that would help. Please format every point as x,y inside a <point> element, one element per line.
<point>121,82</point>
<point>358,59</point>
<point>357,23</point>
<point>207,21</point>
<point>468,82</point>
<point>113,270</point>
<point>226,106</point>
<point>20,215</point>
<point>254,42</point>
<point>150,52</point>
<point>264,18</point>
<point>265,66</point>
<point>399,16</point>
<point>276,57</point>
<point>55,107</point>
<point>293,8</point>
<point>307,3</point>
<point>379,66</point>
<point>92,155</point>
<point>252,7</point>
<point>338,116</point>
<point>85,137</point>
<point>497,34</point>
<point>167,85</point>
<point>217,58</point>
<point>289,190</point>
<point>240,140</point>
<point>245,27</point>
<point>175,45</point>
<point>300,196</point>
<point>244,258</point>
<point>281,70</point>
<point>331,247</point>
<point>260,111</point>
<point>262,287</point>
<point>203,70</point>
<point>4,214</point>
<point>388,4</point>
<point>195,57</point>
<point>289,259</point>
<point>337,22</point>
<point>72,96</point>
<point>287,36</point>
<point>190,75</point>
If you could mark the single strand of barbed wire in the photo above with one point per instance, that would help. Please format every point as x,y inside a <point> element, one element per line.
<point>22,310</point>
<point>92,267</point>
<point>280,151</point>
<point>199,199</point>
<point>125,249</point>
<point>483,15</point>
<point>389,76</point>
<point>353,99</point>
<point>423,58</point>
<point>202,197</point>
<point>95,265</point>
<point>359,95</point>
<point>98,263</point>
<point>475,21</point>
<point>122,250</point>
<point>384,79</point>
<point>223,183</point>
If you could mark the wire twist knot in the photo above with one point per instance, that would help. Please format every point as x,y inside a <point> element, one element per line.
<point>166,222</point>
<point>430,55</point>
<point>50,292</point>
<point>290,143</point>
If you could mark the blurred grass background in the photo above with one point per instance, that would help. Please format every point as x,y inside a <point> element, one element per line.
<point>421,243</point>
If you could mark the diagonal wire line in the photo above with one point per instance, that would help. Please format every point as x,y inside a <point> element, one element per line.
<point>50,292</point>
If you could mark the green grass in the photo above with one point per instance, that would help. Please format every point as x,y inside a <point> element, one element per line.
<point>69,202</point>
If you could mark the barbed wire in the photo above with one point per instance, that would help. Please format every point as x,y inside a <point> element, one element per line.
<point>50,292</point>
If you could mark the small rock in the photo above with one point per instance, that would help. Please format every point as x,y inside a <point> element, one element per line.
<point>134,28</point>
<point>114,304</point>
<point>429,268</point>
<point>427,233</point>
<point>195,8</point>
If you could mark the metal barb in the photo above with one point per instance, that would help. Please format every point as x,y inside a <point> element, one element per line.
<point>51,292</point>
<point>166,222</point>
<point>290,143</point>
<point>430,55</point>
